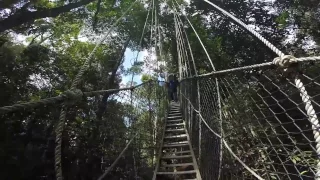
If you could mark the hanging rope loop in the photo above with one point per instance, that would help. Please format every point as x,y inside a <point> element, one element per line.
<point>73,96</point>
<point>285,61</point>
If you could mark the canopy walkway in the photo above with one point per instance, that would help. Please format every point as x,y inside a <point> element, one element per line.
<point>176,156</point>
<point>252,122</point>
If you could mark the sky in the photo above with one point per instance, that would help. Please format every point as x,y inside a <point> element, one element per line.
<point>129,57</point>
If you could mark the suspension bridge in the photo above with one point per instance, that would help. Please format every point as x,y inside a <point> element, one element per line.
<point>252,122</point>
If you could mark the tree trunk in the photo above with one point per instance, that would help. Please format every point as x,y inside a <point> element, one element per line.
<point>25,16</point>
<point>103,105</point>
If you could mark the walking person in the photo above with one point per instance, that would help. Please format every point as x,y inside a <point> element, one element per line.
<point>173,87</point>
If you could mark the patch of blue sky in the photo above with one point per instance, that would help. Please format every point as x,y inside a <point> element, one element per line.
<point>129,58</point>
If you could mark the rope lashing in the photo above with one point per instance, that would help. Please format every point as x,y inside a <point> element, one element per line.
<point>284,61</point>
<point>73,96</point>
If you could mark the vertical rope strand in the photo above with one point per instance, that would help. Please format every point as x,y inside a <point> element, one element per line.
<point>75,83</point>
<point>312,117</point>
<point>59,131</point>
<point>182,42</point>
<point>179,55</point>
<point>197,35</point>
<point>189,47</point>
<point>252,31</point>
<point>140,41</point>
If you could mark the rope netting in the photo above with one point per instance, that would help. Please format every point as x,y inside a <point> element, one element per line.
<point>122,144</point>
<point>146,107</point>
<point>263,122</point>
<point>258,121</point>
<point>120,127</point>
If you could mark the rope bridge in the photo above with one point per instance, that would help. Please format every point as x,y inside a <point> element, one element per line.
<point>258,121</point>
<point>132,121</point>
<point>264,124</point>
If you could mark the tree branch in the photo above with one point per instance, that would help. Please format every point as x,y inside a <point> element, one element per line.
<point>95,18</point>
<point>103,104</point>
<point>22,17</point>
<point>33,39</point>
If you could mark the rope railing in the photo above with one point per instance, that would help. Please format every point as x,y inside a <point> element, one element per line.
<point>251,67</point>
<point>130,112</point>
<point>264,124</point>
<point>260,116</point>
<point>116,161</point>
<point>261,124</point>
<point>67,96</point>
<point>75,83</point>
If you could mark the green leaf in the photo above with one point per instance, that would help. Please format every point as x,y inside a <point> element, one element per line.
<point>282,19</point>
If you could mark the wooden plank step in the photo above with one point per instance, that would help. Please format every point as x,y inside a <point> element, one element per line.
<point>177,152</point>
<point>177,172</point>
<point>178,142</point>
<point>174,117</point>
<point>174,114</point>
<point>176,165</point>
<point>179,124</point>
<point>175,109</point>
<point>176,157</point>
<point>175,145</point>
<point>176,136</point>
<point>174,130</point>
<point>172,121</point>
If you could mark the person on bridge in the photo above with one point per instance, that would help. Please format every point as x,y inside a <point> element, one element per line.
<point>173,87</point>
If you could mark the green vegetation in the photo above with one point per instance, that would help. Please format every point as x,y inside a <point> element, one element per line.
<point>60,36</point>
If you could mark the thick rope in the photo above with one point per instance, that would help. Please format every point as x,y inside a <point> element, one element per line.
<point>267,64</point>
<point>57,154</point>
<point>217,88</point>
<point>69,96</point>
<point>72,96</point>
<point>189,46</point>
<point>29,105</point>
<point>140,42</point>
<point>195,32</point>
<point>155,38</point>
<point>100,92</point>
<point>224,141</point>
<point>312,117</point>
<point>256,34</point>
<point>183,46</point>
<point>284,61</point>
<point>75,83</point>
<point>87,61</point>
<point>116,161</point>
